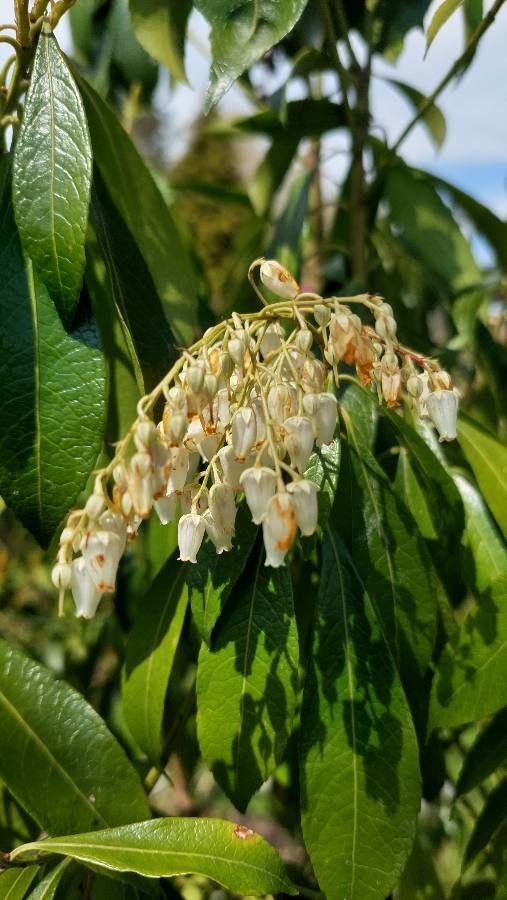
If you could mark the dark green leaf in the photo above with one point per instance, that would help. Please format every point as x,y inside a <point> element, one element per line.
<point>144,211</point>
<point>439,18</point>
<point>492,816</point>
<point>213,578</point>
<point>323,469</point>
<point>485,755</point>
<point>150,656</point>
<point>488,459</point>
<point>433,118</point>
<point>135,64</point>
<point>410,490</point>
<point>359,765</point>
<point>47,888</point>
<point>488,551</point>
<point>238,859</point>
<point>302,118</point>
<point>57,755</point>
<point>471,673</point>
<point>14,883</point>
<point>247,683</point>
<point>52,404</point>
<point>420,880</point>
<point>241,34</point>
<point>160,26</point>
<point>52,176</point>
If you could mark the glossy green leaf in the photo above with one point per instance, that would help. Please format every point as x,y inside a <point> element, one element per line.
<point>48,886</point>
<point>488,551</point>
<point>410,490</point>
<point>439,18</point>
<point>214,577</point>
<point>359,761</point>
<point>433,118</point>
<point>238,859</point>
<point>470,677</point>
<point>492,816</point>
<point>60,760</point>
<point>323,469</point>
<point>247,683</point>
<point>145,212</point>
<point>14,883</point>
<point>363,409</point>
<point>160,26</point>
<point>150,656</point>
<point>488,459</point>
<point>488,751</point>
<point>52,403</point>
<point>52,176</point>
<point>241,33</point>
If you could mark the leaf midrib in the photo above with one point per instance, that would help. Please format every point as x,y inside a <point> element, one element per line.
<point>46,39</point>
<point>245,663</point>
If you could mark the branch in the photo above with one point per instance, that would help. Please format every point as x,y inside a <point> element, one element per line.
<point>456,66</point>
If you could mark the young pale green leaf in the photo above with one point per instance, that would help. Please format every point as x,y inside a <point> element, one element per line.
<point>488,751</point>
<point>52,176</point>
<point>212,579</point>
<point>323,469</point>
<point>232,855</point>
<point>59,759</point>
<point>48,886</point>
<point>471,672</point>
<point>433,117</point>
<point>14,883</point>
<point>488,551</point>
<point>492,816</point>
<point>488,459</point>
<point>150,656</point>
<point>145,212</point>
<point>439,18</point>
<point>52,404</point>
<point>160,27</point>
<point>247,683</point>
<point>242,33</point>
<point>359,760</point>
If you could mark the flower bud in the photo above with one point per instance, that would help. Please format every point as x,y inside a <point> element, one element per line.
<point>280,402</point>
<point>220,538</point>
<point>259,485</point>
<point>442,406</point>
<point>304,496</point>
<point>299,440</point>
<point>279,529</point>
<point>304,340</point>
<point>226,364</point>
<point>194,377</point>
<point>177,399</point>
<point>313,375</point>
<point>278,279</point>
<point>271,339</point>
<point>145,434</point>
<point>243,432</point>
<point>85,594</point>
<point>324,420</point>
<point>166,507</point>
<point>222,507</point>
<point>61,575</point>
<point>236,348</point>
<point>231,468</point>
<point>441,380</point>
<point>210,386</point>
<point>94,506</point>
<point>178,425</point>
<point>415,386</point>
<point>191,529</point>
<point>321,314</point>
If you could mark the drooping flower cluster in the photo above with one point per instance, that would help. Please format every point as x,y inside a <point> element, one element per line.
<point>244,409</point>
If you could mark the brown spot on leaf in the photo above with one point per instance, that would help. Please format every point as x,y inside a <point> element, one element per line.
<point>243,833</point>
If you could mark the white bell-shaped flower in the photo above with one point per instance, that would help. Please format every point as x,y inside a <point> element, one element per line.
<point>178,469</point>
<point>166,508</point>
<point>232,469</point>
<point>140,483</point>
<point>279,528</point>
<point>243,432</point>
<point>299,440</point>
<point>261,421</point>
<point>278,279</point>
<point>209,446</point>
<point>259,485</point>
<point>324,420</point>
<point>195,434</point>
<point>191,529</point>
<point>85,593</point>
<point>304,496</point>
<point>442,409</point>
<point>222,506</point>
<point>220,538</point>
<point>103,549</point>
<point>281,402</point>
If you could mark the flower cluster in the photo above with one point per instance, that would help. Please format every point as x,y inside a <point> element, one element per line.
<point>244,409</point>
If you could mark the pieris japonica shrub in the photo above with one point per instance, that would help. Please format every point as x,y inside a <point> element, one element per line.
<point>253,572</point>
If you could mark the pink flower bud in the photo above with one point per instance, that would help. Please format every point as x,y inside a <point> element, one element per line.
<point>279,529</point>
<point>278,279</point>
<point>243,432</point>
<point>85,594</point>
<point>191,529</point>
<point>299,440</point>
<point>259,485</point>
<point>304,496</point>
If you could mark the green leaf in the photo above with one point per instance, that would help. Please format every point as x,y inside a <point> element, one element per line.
<point>59,759</point>
<point>235,857</point>
<point>160,26</point>
<point>433,118</point>
<point>359,761</point>
<point>241,33</point>
<point>52,404</point>
<point>247,683</point>
<point>363,410</point>
<point>420,880</point>
<point>212,579</point>
<point>47,888</point>
<point>490,819</point>
<point>323,469</point>
<point>410,490</point>
<point>150,656</point>
<point>286,242</point>
<point>487,753</point>
<point>470,677</point>
<point>145,212</point>
<point>487,549</point>
<point>14,883</point>
<point>271,172</point>
<point>488,459</point>
<point>439,18</point>
<point>302,118</point>
<point>52,176</point>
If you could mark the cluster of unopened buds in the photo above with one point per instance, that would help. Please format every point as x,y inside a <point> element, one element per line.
<point>244,409</point>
